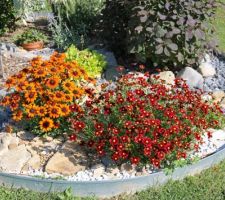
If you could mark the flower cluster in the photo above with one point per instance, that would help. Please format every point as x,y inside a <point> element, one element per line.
<point>45,93</point>
<point>142,120</point>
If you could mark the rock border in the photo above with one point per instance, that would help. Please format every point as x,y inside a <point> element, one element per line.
<point>109,188</point>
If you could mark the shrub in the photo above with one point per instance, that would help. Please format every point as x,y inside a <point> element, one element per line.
<point>31,35</point>
<point>79,15</point>
<point>91,61</point>
<point>45,93</point>
<point>145,121</point>
<point>7,15</point>
<point>169,33</point>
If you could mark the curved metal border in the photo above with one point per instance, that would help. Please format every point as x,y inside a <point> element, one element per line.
<point>108,188</point>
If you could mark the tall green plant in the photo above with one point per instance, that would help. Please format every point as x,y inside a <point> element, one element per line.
<point>80,15</point>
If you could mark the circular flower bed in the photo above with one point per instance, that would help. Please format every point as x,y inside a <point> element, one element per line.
<point>139,123</point>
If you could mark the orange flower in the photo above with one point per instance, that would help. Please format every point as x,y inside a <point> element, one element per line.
<point>40,72</point>
<point>42,111</point>
<point>54,112</point>
<point>59,96</point>
<point>13,106</point>
<point>75,74</point>
<point>5,101</point>
<point>10,82</point>
<point>31,110</point>
<point>65,110</point>
<point>77,92</point>
<point>30,96</point>
<point>53,82</point>
<point>68,97</point>
<point>68,85</point>
<point>21,86</point>
<point>46,124</point>
<point>18,115</point>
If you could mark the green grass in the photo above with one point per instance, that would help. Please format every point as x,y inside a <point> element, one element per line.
<point>209,185</point>
<point>220,26</point>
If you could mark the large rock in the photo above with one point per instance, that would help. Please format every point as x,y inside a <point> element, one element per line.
<point>194,79</point>
<point>167,76</point>
<point>68,161</point>
<point>207,69</point>
<point>14,160</point>
<point>111,72</point>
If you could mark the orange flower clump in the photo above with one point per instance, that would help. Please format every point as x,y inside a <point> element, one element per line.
<point>46,92</point>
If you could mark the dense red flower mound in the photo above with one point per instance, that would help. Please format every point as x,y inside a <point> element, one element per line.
<point>142,120</point>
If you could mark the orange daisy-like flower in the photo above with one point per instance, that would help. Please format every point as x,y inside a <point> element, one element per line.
<point>21,76</point>
<point>77,92</point>
<point>54,112</point>
<point>5,101</point>
<point>53,82</point>
<point>21,86</point>
<point>10,82</point>
<point>53,70</point>
<point>65,110</point>
<point>18,115</point>
<point>13,106</point>
<point>68,97</point>
<point>15,98</point>
<point>40,72</point>
<point>31,110</point>
<point>30,96</point>
<point>42,111</point>
<point>75,74</point>
<point>59,96</point>
<point>68,85</point>
<point>46,124</point>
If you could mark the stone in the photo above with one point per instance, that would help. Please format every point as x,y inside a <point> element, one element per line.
<point>127,167</point>
<point>107,161</point>
<point>111,73</point>
<point>167,76</point>
<point>68,161</point>
<point>14,160</point>
<point>12,146</point>
<point>207,69</point>
<point>218,96</point>
<point>98,170</point>
<point>194,79</point>
<point>33,163</point>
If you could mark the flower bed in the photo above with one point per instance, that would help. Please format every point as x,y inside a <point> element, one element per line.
<point>135,126</point>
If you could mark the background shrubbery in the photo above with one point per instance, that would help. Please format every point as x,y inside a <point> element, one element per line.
<point>167,33</point>
<point>80,16</point>
<point>7,15</point>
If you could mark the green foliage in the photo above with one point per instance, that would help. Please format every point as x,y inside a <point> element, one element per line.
<point>63,36</point>
<point>7,15</point>
<point>167,32</point>
<point>93,62</point>
<point>31,35</point>
<point>79,15</point>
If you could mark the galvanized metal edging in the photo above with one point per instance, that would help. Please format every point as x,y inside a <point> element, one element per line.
<point>108,188</point>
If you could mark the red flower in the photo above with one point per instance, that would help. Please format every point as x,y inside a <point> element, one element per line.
<point>135,160</point>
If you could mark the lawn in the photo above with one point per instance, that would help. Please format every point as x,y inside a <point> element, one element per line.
<point>209,185</point>
<point>220,26</point>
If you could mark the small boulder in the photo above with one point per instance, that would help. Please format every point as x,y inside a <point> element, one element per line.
<point>98,170</point>
<point>194,79</point>
<point>218,96</point>
<point>207,69</point>
<point>167,76</point>
<point>69,160</point>
<point>13,160</point>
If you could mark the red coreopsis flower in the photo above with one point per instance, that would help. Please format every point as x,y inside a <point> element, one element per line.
<point>78,125</point>
<point>73,138</point>
<point>99,126</point>
<point>135,160</point>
